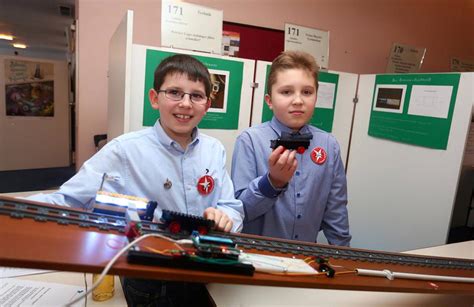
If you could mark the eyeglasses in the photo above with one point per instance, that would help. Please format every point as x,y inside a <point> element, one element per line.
<point>178,95</point>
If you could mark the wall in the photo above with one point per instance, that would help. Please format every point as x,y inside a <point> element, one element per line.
<point>361,35</point>
<point>36,142</point>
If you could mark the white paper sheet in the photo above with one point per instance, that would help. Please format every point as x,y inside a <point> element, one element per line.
<point>14,272</point>
<point>326,93</point>
<point>274,264</point>
<point>17,292</point>
<point>430,100</point>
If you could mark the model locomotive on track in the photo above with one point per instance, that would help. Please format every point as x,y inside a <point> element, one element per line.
<point>177,222</point>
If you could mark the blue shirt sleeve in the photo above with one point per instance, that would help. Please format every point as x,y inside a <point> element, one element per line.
<point>80,190</point>
<point>256,192</point>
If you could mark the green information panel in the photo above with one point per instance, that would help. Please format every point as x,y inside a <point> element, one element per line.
<point>226,78</point>
<point>415,109</point>
<point>323,116</point>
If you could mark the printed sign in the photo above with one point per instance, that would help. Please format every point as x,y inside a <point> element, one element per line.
<point>462,65</point>
<point>190,26</point>
<point>313,41</point>
<point>405,59</point>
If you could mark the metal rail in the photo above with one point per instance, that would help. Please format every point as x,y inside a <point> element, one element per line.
<point>67,216</point>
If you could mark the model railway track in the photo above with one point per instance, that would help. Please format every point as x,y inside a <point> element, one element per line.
<point>66,216</point>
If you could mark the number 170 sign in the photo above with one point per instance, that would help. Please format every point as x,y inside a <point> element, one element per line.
<point>313,41</point>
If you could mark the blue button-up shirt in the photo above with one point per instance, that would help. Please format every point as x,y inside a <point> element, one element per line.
<point>144,163</point>
<point>314,199</point>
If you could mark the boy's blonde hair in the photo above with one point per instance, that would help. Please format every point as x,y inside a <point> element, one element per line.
<point>292,60</point>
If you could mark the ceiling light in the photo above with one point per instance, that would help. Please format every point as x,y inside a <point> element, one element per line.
<point>21,46</point>
<point>6,37</point>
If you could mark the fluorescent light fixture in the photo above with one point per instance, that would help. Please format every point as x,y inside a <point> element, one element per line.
<point>6,37</point>
<point>21,46</point>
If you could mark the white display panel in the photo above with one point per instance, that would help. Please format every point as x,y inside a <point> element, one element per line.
<point>401,196</point>
<point>119,74</point>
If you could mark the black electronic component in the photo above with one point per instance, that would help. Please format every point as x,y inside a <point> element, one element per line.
<point>217,252</point>
<point>190,262</point>
<point>215,247</point>
<point>177,222</point>
<point>216,240</point>
<point>296,142</point>
<point>150,209</point>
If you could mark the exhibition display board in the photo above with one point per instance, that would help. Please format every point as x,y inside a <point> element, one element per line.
<point>401,195</point>
<point>397,188</point>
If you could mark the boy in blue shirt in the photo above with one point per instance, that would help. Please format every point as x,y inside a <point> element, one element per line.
<point>287,194</point>
<point>171,163</point>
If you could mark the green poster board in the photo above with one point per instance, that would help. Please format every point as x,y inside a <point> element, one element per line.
<point>323,116</point>
<point>415,109</point>
<point>226,77</point>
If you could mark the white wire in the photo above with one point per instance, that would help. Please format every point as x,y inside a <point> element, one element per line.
<point>112,262</point>
<point>392,275</point>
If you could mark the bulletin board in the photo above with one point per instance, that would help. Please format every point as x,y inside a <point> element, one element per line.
<point>401,195</point>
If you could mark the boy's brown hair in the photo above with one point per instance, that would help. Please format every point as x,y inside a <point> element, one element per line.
<point>182,64</point>
<point>292,60</point>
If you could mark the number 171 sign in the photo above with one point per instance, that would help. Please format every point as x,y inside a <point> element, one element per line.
<point>313,41</point>
<point>190,26</point>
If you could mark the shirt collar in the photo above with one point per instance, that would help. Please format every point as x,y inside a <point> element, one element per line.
<point>279,127</point>
<point>166,141</point>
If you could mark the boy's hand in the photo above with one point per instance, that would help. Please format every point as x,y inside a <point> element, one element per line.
<point>223,222</point>
<point>282,165</point>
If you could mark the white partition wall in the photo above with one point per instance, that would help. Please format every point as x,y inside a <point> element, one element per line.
<point>138,98</point>
<point>346,89</point>
<point>119,74</point>
<point>401,196</point>
<point>259,93</point>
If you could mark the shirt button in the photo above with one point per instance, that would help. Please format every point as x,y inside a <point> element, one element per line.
<point>296,236</point>
<point>298,194</point>
<point>298,216</point>
<point>297,173</point>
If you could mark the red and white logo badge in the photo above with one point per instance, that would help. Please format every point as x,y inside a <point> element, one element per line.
<point>205,185</point>
<point>318,155</point>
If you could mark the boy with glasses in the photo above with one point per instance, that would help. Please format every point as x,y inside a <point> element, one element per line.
<point>286,193</point>
<point>171,163</point>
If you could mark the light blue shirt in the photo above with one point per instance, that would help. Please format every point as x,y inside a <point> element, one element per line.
<point>140,163</point>
<point>314,199</point>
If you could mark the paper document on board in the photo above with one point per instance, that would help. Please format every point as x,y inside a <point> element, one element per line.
<point>326,94</point>
<point>430,100</point>
<point>18,292</point>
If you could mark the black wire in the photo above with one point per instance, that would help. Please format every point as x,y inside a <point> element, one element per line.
<point>85,283</point>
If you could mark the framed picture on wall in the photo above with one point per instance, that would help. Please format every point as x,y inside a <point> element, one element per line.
<point>29,88</point>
